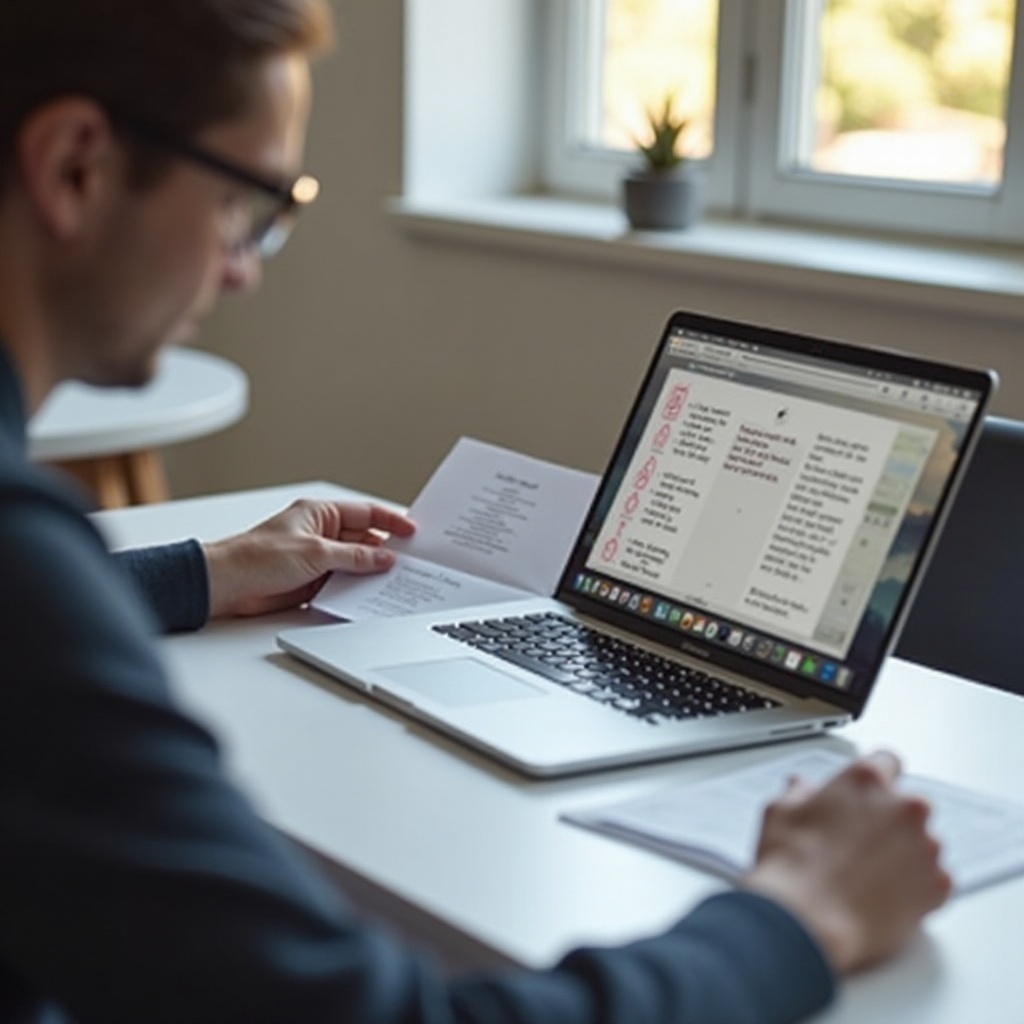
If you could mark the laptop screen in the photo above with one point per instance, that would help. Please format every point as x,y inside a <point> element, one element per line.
<point>772,498</point>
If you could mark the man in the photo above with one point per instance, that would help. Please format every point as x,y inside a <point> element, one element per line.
<point>148,154</point>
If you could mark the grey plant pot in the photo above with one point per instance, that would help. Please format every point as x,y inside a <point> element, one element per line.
<point>664,200</point>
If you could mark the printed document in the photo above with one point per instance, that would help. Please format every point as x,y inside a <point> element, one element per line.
<point>714,824</point>
<point>491,525</point>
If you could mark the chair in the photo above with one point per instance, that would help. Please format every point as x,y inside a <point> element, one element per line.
<point>968,617</point>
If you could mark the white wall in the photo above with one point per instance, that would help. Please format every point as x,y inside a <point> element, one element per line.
<point>369,351</point>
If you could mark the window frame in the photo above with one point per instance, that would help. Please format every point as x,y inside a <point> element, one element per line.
<point>757,89</point>
<point>569,165</point>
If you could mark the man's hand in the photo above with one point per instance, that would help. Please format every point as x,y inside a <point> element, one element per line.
<point>853,861</point>
<point>284,561</point>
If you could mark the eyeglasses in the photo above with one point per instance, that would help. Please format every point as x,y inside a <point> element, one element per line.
<point>265,221</point>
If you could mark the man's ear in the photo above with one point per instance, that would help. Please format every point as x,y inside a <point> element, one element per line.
<point>69,159</point>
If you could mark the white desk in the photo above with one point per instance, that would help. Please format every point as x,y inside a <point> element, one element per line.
<point>108,436</point>
<point>472,858</point>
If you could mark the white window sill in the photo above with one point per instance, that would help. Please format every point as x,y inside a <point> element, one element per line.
<point>976,280</point>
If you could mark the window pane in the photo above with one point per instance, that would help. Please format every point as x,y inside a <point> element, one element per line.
<point>908,89</point>
<point>652,49</point>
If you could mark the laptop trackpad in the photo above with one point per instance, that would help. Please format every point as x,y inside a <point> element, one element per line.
<point>459,682</point>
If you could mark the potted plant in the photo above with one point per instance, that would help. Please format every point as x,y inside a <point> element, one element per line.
<point>664,193</point>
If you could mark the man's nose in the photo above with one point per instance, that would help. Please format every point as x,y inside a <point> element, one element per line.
<point>243,270</point>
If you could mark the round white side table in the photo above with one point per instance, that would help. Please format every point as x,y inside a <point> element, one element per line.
<point>107,437</point>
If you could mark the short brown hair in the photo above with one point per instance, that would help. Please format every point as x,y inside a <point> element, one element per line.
<point>177,63</point>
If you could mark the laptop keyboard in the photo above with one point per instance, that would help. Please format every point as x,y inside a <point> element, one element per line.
<point>611,671</point>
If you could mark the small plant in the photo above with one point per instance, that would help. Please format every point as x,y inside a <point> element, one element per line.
<point>666,192</point>
<point>661,153</point>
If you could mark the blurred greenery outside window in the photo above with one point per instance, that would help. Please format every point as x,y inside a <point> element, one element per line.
<point>870,109</point>
<point>651,49</point>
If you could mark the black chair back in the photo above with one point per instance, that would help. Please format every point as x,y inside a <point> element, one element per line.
<point>968,616</point>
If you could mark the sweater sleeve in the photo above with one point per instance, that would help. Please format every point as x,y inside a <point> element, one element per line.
<point>737,958</point>
<point>174,582</point>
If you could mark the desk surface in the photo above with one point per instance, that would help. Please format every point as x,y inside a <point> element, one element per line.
<point>193,394</point>
<point>472,858</point>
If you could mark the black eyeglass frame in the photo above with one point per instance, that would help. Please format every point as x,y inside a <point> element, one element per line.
<point>300,192</point>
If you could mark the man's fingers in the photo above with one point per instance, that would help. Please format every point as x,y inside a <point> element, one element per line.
<point>361,516</point>
<point>367,537</point>
<point>879,769</point>
<point>361,559</point>
<point>882,765</point>
<point>338,520</point>
<point>797,790</point>
<point>391,522</point>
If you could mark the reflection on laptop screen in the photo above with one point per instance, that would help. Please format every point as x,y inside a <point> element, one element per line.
<point>772,504</point>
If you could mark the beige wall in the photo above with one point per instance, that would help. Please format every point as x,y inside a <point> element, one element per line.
<point>369,351</point>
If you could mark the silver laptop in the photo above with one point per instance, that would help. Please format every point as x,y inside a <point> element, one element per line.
<point>743,572</point>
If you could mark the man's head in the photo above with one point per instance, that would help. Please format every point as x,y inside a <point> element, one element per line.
<point>183,64</point>
<point>136,140</point>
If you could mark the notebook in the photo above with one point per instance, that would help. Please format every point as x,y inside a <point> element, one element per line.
<point>744,569</point>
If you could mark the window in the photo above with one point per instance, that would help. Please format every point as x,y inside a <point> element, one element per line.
<point>885,114</point>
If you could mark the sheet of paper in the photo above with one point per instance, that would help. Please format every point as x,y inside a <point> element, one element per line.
<point>715,823</point>
<point>411,586</point>
<point>500,514</point>
<point>491,525</point>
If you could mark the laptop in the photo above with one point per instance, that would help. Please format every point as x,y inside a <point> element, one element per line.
<point>745,567</point>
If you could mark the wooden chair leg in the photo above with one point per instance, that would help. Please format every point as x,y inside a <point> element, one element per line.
<point>103,477</point>
<point>146,476</point>
<point>109,483</point>
<point>116,481</point>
